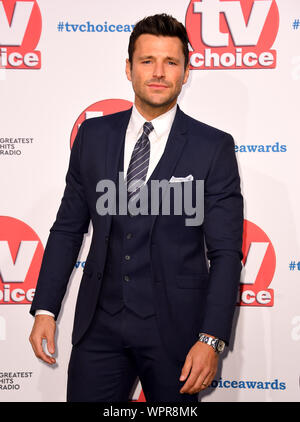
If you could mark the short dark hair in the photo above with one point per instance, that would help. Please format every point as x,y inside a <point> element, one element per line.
<point>164,25</point>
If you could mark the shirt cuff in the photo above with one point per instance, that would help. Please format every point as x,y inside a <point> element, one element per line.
<point>43,312</point>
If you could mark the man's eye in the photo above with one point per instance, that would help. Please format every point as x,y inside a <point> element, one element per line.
<point>172,63</point>
<point>146,61</point>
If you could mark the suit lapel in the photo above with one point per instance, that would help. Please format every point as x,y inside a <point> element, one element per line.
<point>115,142</point>
<point>173,150</point>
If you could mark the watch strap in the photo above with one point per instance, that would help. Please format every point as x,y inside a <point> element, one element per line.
<point>217,344</point>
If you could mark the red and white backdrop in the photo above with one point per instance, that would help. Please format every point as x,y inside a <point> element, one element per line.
<point>63,62</point>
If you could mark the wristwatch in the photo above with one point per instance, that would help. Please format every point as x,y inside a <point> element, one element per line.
<point>217,344</point>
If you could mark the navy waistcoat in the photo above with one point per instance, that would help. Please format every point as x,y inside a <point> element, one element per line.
<point>127,276</point>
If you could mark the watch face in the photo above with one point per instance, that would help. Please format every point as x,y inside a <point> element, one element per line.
<point>221,346</point>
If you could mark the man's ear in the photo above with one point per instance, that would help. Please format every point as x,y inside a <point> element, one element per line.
<point>128,69</point>
<point>186,74</point>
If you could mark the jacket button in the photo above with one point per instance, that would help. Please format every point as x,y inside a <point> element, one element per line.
<point>126,278</point>
<point>128,235</point>
<point>106,239</point>
<point>127,257</point>
<point>99,275</point>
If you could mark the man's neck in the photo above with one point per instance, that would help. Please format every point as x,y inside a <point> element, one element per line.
<point>150,113</point>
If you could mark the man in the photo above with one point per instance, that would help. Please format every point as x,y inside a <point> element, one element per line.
<point>148,305</point>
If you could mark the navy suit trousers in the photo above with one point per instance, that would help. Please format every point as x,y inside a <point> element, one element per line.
<point>116,351</point>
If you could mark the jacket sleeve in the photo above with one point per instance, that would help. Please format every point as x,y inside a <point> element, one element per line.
<point>223,231</point>
<point>65,237</point>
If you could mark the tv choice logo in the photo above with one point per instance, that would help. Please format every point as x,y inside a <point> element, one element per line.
<point>98,109</point>
<point>20,31</point>
<point>21,253</point>
<point>259,263</point>
<point>232,34</point>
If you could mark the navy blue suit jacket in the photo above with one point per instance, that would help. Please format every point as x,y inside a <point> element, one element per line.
<point>190,296</point>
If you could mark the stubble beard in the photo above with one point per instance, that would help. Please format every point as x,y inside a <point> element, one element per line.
<point>143,99</point>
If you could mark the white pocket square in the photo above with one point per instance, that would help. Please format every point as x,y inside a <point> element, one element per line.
<point>181,179</point>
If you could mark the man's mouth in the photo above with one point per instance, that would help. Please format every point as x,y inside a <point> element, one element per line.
<point>157,86</point>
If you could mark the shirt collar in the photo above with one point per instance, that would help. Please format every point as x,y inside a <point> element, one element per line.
<point>162,124</point>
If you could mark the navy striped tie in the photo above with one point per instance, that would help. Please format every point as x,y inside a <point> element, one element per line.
<point>139,162</point>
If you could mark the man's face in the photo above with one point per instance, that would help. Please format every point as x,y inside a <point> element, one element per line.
<point>157,71</point>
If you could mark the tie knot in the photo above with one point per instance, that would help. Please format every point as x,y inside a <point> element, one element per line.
<point>148,127</point>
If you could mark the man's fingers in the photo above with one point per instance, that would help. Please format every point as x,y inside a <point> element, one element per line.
<point>186,368</point>
<point>203,381</point>
<point>37,345</point>
<point>198,383</point>
<point>191,380</point>
<point>50,345</point>
<point>209,379</point>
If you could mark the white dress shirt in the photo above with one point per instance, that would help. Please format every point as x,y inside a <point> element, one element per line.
<point>158,139</point>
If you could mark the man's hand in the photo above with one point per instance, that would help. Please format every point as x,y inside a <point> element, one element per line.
<point>199,369</point>
<point>43,328</point>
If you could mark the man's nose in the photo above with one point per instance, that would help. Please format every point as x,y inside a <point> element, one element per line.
<point>159,71</point>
